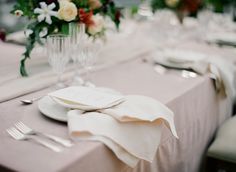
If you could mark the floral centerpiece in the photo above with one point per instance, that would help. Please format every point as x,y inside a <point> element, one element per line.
<point>180,7</point>
<point>53,16</point>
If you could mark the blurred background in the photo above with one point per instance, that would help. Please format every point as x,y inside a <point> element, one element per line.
<point>8,21</point>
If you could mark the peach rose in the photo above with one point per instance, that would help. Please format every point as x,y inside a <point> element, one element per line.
<point>171,3</point>
<point>67,11</point>
<point>94,4</point>
<point>97,26</point>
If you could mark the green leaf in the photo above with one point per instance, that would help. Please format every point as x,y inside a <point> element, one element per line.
<point>134,10</point>
<point>65,29</point>
<point>158,4</point>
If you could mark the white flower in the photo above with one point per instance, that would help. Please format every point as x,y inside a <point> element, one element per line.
<point>28,32</point>
<point>97,26</point>
<point>43,32</point>
<point>171,3</point>
<point>45,12</point>
<point>18,13</point>
<point>67,11</point>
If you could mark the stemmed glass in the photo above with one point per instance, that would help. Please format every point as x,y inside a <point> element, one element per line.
<point>58,55</point>
<point>205,16</point>
<point>89,57</point>
<point>76,32</point>
<point>145,10</point>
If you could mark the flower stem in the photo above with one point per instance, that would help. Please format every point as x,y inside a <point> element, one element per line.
<point>23,71</point>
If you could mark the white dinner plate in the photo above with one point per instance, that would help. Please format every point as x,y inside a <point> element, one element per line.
<point>51,109</point>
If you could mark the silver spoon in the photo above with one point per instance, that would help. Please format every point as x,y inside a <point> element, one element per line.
<point>29,101</point>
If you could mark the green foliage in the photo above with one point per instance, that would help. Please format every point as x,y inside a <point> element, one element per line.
<point>25,5</point>
<point>158,4</point>
<point>65,28</point>
<point>81,3</point>
<point>218,5</point>
<point>134,10</point>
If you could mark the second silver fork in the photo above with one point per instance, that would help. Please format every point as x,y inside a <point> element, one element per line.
<point>28,131</point>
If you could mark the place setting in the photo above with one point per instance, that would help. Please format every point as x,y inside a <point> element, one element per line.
<point>86,109</point>
<point>114,86</point>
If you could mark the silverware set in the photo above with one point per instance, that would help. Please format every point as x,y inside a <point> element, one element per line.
<point>22,132</point>
<point>160,69</point>
<point>183,73</point>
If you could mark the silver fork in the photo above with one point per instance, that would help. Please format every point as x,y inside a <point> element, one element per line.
<point>29,131</point>
<point>20,136</point>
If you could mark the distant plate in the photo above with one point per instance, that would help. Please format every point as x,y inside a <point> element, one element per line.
<point>177,59</point>
<point>51,109</point>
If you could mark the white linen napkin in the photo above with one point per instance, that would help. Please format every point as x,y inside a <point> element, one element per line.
<point>141,108</point>
<point>223,37</point>
<point>182,59</point>
<point>222,71</point>
<point>225,73</point>
<point>132,130</point>
<point>139,140</point>
<point>85,98</point>
<point>120,152</point>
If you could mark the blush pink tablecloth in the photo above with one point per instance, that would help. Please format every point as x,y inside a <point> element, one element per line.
<point>196,106</point>
<point>198,112</point>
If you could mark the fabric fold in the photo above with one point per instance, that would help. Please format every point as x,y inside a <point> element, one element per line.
<point>121,153</point>
<point>141,108</point>
<point>139,139</point>
<point>85,98</point>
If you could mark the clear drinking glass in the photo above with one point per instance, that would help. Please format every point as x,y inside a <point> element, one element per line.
<point>88,59</point>
<point>205,16</point>
<point>145,10</point>
<point>58,55</point>
<point>76,33</point>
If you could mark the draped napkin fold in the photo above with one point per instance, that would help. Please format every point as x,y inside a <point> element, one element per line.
<point>131,129</point>
<point>221,71</point>
<point>137,108</point>
<point>129,141</point>
<point>85,98</point>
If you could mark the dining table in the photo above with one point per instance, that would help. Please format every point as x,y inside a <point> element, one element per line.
<point>125,64</point>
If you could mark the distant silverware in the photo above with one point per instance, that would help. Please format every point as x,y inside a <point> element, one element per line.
<point>222,43</point>
<point>183,73</point>
<point>188,74</point>
<point>28,131</point>
<point>17,135</point>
